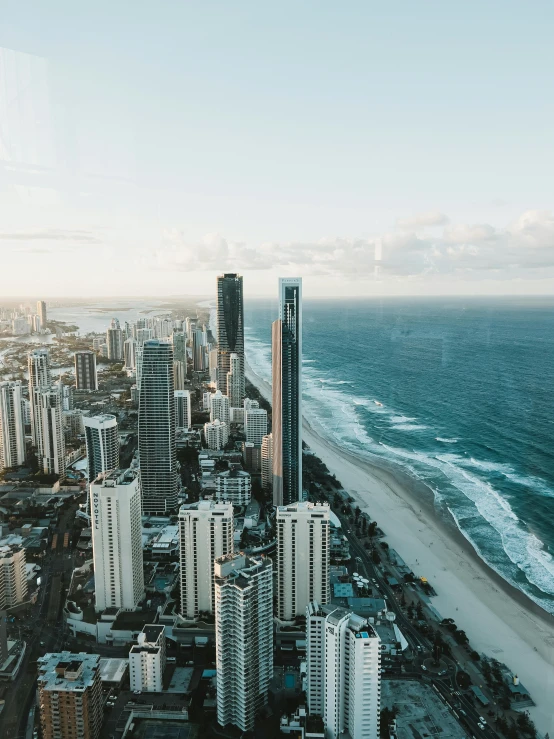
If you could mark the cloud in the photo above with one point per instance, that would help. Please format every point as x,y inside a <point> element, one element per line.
<point>423,220</point>
<point>51,234</point>
<point>525,246</point>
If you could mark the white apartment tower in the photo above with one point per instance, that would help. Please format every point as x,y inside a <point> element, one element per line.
<point>255,425</point>
<point>205,533</point>
<point>302,557</point>
<point>12,426</point>
<point>52,443</point>
<point>86,377</point>
<point>102,441</point>
<point>235,381</point>
<point>267,462</point>
<point>117,540</point>
<point>13,576</point>
<point>147,660</point>
<point>39,377</point>
<point>217,434</point>
<point>233,486</point>
<point>343,679</point>
<point>130,354</point>
<point>183,414</point>
<point>41,312</point>
<point>244,637</point>
<point>219,407</point>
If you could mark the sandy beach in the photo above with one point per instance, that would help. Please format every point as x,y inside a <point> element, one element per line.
<point>499,620</point>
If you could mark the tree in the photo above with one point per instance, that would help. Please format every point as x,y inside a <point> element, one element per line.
<point>375,558</point>
<point>372,528</point>
<point>419,610</point>
<point>460,636</point>
<point>463,679</point>
<point>384,546</point>
<point>475,656</point>
<point>336,500</point>
<point>512,731</point>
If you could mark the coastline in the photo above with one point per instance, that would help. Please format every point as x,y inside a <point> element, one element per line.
<point>500,620</point>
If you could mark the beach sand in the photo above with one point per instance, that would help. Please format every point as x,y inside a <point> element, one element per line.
<point>500,621</point>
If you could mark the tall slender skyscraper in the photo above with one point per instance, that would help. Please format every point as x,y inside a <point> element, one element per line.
<point>287,393</point>
<point>39,377</point>
<point>230,329</point>
<point>52,431</point>
<point>85,371</point>
<point>41,312</point>
<point>114,340</point>
<point>235,381</point>
<point>12,426</point>
<point>130,353</point>
<point>102,440</point>
<point>156,428</point>
<point>243,637</point>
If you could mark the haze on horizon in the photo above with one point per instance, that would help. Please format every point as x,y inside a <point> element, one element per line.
<point>373,149</point>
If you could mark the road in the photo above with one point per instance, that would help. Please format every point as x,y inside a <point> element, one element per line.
<point>43,636</point>
<point>421,647</point>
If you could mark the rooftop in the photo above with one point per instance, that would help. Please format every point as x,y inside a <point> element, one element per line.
<point>67,671</point>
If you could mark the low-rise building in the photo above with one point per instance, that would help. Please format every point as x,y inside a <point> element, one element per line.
<point>234,486</point>
<point>217,434</point>
<point>13,578</point>
<point>147,660</point>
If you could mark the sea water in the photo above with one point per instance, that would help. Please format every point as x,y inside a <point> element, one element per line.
<point>458,393</point>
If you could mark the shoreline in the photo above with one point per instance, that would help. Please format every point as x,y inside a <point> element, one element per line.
<point>499,619</point>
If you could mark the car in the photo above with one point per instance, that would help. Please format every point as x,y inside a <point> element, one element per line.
<point>424,668</point>
<point>442,672</point>
<point>481,726</point>
<point>137,692</point>
<point>482,720</point>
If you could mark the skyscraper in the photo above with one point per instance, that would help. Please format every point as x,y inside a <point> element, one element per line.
<point>114,340</point>
<point>255,425</point>
<point>219,407</point>
<point>287,393</point>
<point>343,679</point>
<point>230,329</point>
<point>85,371</point>
<point>13,575</point>
<point>183,415</point>
<point>235,381</point>
<point>156,428</point>
<point>130,353</point>
<point>52,443</point>
<point>198,350</point>
<point>39,377</point>
<point>302,557</point>
<point>267,462</point>
<point>70,695</point>
<point>117,540</point>
<point>12,426</point>
<point>205,532</point>
<point>41,312</point>
<point>243,637</point>
<point>102,441</point>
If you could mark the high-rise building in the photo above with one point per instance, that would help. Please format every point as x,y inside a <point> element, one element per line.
<point>39,377</point>
<point>217,434</point>
<point>212,365</point>
<point>41,312</point>
<point>156,428</point>
<point>114,341</point>
<point>179,341</point>
<point>13,575</point>
<point>243,636</point>
<point>52,444</point>
<point>70,695</point>
<point>144,334</point>
<point>198,350</point>
<point>115,505</point>
<point>233,486</point>
<point>86,377</point>
<point>183,414</point>
<point>287,393</point>
<point>343,679</point>
<point>147,660</point>
<point>130,353</point>
<point>235,381</point>
<point>302,557</point>
<point>267,462</point>
<point>205,532</point>
<point>73,423</point>
<point>219,407</point>
<point>12,425</point>
<point>102,439</point>
<point>255,425</point>
<point>230,329</point>
<point>179,375</point>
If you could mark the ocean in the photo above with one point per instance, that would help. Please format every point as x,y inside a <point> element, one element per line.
<point>458,393</point>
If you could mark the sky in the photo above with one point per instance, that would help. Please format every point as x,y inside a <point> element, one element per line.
<point>401,148</point>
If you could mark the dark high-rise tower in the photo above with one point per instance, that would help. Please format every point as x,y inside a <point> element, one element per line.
<point>287,393</point>
<point>85,371</point>
<point>230,328</point>
<point>156,428</point>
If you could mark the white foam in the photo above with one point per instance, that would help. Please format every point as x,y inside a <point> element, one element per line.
<point>446,441</point>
